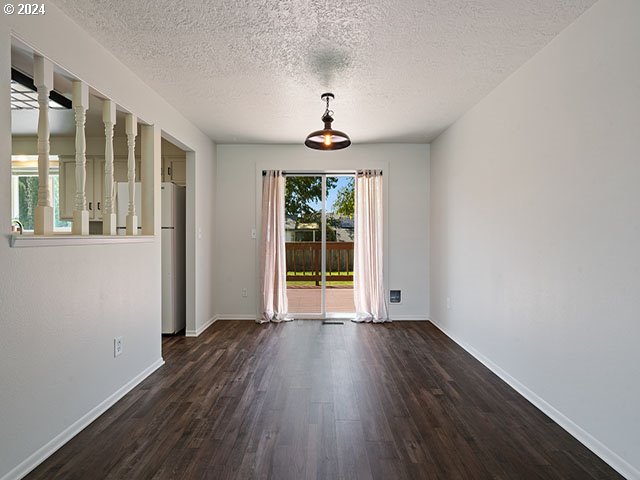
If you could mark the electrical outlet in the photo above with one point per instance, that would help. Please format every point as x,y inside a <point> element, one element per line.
<point>244,292</point>
<point>117,346</point>
<point>448,303</point>
<point>254,234</point>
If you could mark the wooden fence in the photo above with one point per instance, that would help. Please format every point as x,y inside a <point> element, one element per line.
<point>304,260</point>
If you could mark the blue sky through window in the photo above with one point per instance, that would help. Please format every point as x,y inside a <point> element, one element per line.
<point>333,193</point>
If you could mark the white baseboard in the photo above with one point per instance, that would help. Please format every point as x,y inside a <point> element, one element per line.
<point>412,318</point>
<point>623,467</point>
<point>241,316</point>
<point>67,434</point>
<point>249,316</point>
<point>253,316</point>
<point>197,332</point>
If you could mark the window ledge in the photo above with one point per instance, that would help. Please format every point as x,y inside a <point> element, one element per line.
<point>65,239</point>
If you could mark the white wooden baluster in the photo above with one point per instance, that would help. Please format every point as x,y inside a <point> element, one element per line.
<point>80,95</point>
<point>131,127</point>
<point>43,79</point>
<point>150,148</point>
<point>108,216</point>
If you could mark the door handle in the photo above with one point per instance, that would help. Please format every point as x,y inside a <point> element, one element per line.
<point>90,205</point>
<point>98,205</point>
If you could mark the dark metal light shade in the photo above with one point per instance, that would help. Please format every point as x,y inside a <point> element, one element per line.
<point>327,138</point>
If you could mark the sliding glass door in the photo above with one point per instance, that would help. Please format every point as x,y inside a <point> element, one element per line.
<point>339,246</point>
<point>303,237</point>
<point>319,244</point>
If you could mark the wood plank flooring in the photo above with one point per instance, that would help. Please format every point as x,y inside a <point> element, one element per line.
<point>305,401</point>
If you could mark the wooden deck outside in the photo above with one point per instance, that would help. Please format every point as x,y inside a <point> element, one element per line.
<point>304,262</point>
<point>307,299</point>
<point>305,275</point>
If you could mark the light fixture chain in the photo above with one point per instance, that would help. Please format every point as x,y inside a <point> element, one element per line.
<point>327,111</point>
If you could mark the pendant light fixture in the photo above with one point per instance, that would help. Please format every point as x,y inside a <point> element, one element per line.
<point>327,138</point>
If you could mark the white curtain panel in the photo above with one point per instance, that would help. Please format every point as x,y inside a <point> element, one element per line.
<point>272,249</point>
<point>368,285</point>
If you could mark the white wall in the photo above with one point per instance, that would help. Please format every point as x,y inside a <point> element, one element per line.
<point>406,173</point>
<point>201,307</point>
<point>535,230</point>
<point>61,307</point>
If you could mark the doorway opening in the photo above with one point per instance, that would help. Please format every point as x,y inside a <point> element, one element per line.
<point>173,228</point>
<point>319,237</point>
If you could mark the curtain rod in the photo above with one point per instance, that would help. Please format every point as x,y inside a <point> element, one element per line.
<point>319,172</point>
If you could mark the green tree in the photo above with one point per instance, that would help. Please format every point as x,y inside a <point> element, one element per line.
<point>28,192</point>
<point>344,203</point>
<point>300,195</point>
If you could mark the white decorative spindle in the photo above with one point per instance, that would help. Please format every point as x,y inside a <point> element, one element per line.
<point>80,96</point>
<point>43,79</point>
<point>150,148</point>
<point>108,216</point>
<point>131,127</point>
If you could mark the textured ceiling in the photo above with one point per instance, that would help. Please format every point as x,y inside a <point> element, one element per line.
<point>253,71</point>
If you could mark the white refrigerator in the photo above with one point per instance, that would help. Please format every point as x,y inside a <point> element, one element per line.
<point>173,258</point>
<point>173,248</point>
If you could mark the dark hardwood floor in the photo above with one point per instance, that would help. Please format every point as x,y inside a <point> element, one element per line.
<point>306,401</point>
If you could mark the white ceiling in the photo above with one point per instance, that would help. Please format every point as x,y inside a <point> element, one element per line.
<point>253,71</point>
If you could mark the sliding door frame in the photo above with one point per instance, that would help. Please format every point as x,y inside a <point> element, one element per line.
<point>291,165</point>
<point>323,246</point>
